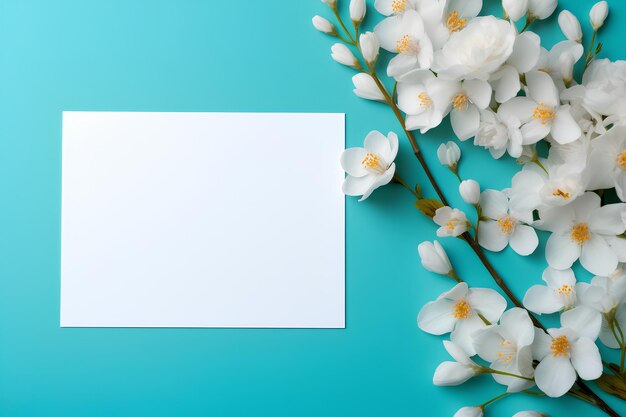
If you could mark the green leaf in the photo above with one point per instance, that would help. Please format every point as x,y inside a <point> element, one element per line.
<point>428,206</point>
<point>613,384</point>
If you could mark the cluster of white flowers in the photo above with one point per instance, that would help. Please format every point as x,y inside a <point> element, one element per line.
<point>512,96</point>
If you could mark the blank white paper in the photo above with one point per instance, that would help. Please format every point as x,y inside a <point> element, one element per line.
<point>202,220</point>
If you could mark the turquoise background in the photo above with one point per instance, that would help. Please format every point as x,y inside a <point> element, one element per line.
<point>192,55</point>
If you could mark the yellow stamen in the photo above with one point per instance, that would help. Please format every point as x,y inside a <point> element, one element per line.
<point>565,289</point>
<point>506,352</point>
<point>560,346</point>
<point>454,23</point>
<point>560,193</point>
<point>621,160</point>
<point>398,6</point>
<point>425,101</point>
<point>371,162</point>
<point>580,233</point>
<point>406,45</point>
<point>462,310</point>
<point>507,224</point>
<point>543,113</point>
<point>460,102</point>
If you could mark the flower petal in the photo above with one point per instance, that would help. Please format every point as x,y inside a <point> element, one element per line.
<point>436,317</point>
<point>490,236</point>
<point>524,240</point>
<point>597,256</point>
<point>584,320</point>
<point>377,143</point>
<point>352,162</point>
<point>452,373</point>
<point>555,375</point>
<point>494,204</point>
<point>542,300</point>
<point>564,127</point>
<point>586,359</point>
<point>479,92</point>
<point>465,123</point>
<point>542,89</point>
<point>356,186</point>
<point>463,332</point>
<point>487,302</point>
<point>561,251</point>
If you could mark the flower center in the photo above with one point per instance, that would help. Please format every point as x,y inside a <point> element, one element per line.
<point>560,346</point>
<point>454,23</point>
<point>565,289</point>
<point>451,224</point>
<point>543,113</point>
<point>462,310</point>
<point>560,193</point>
<point>580,233</point>
<point>425,101</point>
<point>373,163</point>
<point>621,160</point>
<point>407,45</point>
<point>460,102</point>
<point>506,351</point>
<point>398,6</point>
<point>507,224</point>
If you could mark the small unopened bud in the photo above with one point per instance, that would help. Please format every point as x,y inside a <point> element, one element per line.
<point>566,64</point>
<point>369,47</point>
<point>323,25</point>
<point>343,55</point>
<point>515,9</point>
<point>470,191</point>
<point>357,11</point>
<point>598,14</point>
<point>570,26</point>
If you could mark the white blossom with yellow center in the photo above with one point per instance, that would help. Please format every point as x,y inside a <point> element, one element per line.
<point>459,312</point>
<point>371,166</point>
<point>500,227</point>
<point>568,352</point>
<point>507,346</point>
<point>559,293</point>
<point>580,231</point>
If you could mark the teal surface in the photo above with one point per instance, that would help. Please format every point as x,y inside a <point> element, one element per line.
<point>192,55</point>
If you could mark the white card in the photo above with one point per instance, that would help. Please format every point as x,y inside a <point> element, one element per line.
<point>202,220</point>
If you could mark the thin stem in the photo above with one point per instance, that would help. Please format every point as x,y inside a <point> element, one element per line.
<point>591,54</point>
<point>493,371</point>
<point>529,20</point>
<point>400,181</point>
<point>452,274</point>
<point>494,399</point>
<point>345,29</point>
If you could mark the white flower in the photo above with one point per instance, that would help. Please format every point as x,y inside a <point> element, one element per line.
<point>467,99</point>
<point>470,191</point>
<point>541,113</point>
<point>566,351</point>
<point>503,226</point>
<point>515,9</point>
<point>579,230</point>
<point>469,412</point>
<point>357,11</point>
<point>541,9</point>
<point>453,222</point>
<point>493,37</point>
<point>389,7</point>
<point>455,373</point>
<point>323,25</point>
<point>449,155</point>
<point>419,96</point>
<point>508,347</point>
<point>570,26</point>
<point>558,294</point>
<point>369,47</point>
<point>405,35</point>
<point>365,87</point>
<point>606,296</point>
<point>526,53</point>
<point>550,61</point>
<point>607,162</point>
<point>434,258</point>
<point>343,55</point>
<point>598,14</point>
<point>499,136</point>
<point>370,167</point>
<point>457,312</point>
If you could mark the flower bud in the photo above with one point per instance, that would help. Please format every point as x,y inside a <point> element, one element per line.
<point>449,155</point>
<point>598,14</point>
<point>365,87</point>
<point>566,65</point>
<point>369,47</point>
<point>343,55</point>
<point>515,9</point>
<point>357,11</point>
<point>434,258</point>
<point>470,191</point>
<point>530,414</point>
<point>541,9</point>
<point>469,412</point>
<point>570,26</point>
<point>323,25</point>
